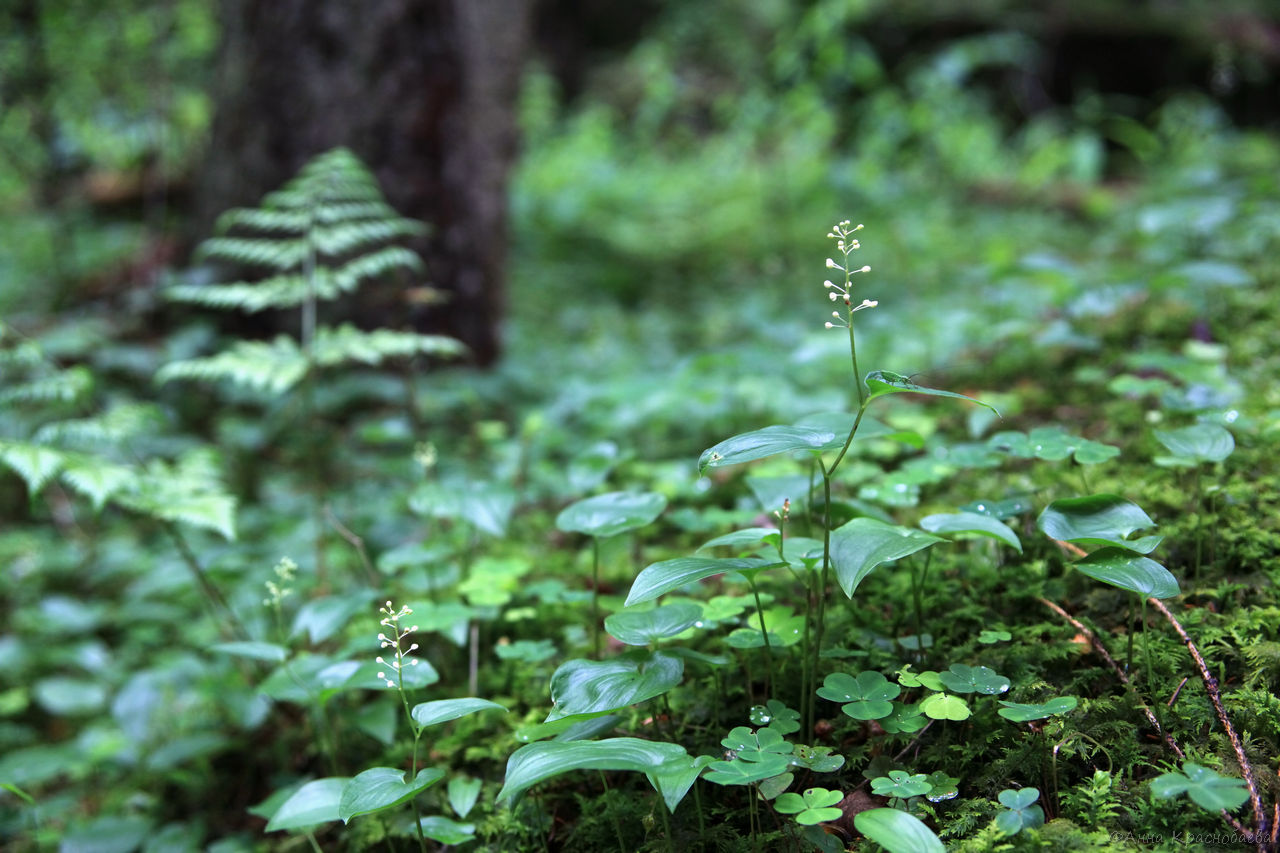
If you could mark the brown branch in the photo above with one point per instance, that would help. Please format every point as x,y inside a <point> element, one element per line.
<point>1215,696</point>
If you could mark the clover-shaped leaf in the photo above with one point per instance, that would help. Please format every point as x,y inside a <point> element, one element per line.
<point>928,679</point>
<point>740,772</point>
<point>867,695</point>
<point>753,745</point>
<point>1052,444</point>
<point>944,706</point>
<point>904,719</point>
<point>777,716</point>
<point>1021,812</point>
<point>943,787</point>
<point>901,784</point>
<point>816,758</point>
<point>960,678</point>
<point>989,636</point>
<point>815,805</point>
<point>1020,713</point>
<point>773,786</point>
<point>1207,788</point>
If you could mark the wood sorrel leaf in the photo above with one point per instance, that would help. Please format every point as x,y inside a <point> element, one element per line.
<point>1098,520</point>
<point>864,543</point>
<point>867,695</point>
<point>611,513</point>
<point>971,522</point>
<point>944,706</point>
<point>1207,788</point>
<point>901,784</point>
<point>897,831</point>
<point>960,678</point>
<point>313,803</point>
<point>1198,443</point>
<point>815,805</point>
<point>594,687</point>
<point>761,443</point>
<point>442,710</point>
<point>1120,568</point>
<point>381,788</point>
<point>1052,444</point>
<point>1020,713</point>
<point>882,382</point>
<point>640,628</point>
<point>1021,814</point>
<point>664,576</point>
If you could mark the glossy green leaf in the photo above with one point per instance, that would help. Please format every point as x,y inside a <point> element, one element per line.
<point>485,506</point>
<point>1052,444</point>
<point>944,706</point>
<point>1207,788</point>
<point>815,805</point>
<point>761,443</point>
<point>463,791</point>
<point>442,710</point>
<point>253,650</point>
<point>1098,520</point>
<point>534,763</point>
<point>667,575</point>
<point>611,513</point>
<point>868,695</point>
<point>901,784</point>
<point>897,831</point>
<point>674,778</point>
<point>941,787</point>
<point>1020,713</point>
<point>1021,812</point>
<point>1129,571</point>
<point>640,628</point>
<point>447,831</point>
<point>748,539</point>
<point>973,523</point>
<point>1198,443</point>
<point>743,772</point>
<point>754,744</point>
<point>960,678</point>
<point>819,759</point>
<point>906,718</point>
<point>315,802</point>
<point>594,687</point>
<point>776,715</point>
<point>381,788</point>
<point>864,543</point>
<point>882,382</point>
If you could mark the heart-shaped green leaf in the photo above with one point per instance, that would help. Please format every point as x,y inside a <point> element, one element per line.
<point>442,710</point>
<point>1207,788</point>
<point>867,695</point>
<point>742,772</point>
<point>864,543</point>
<point>1052,444</point>
<point>611,513</point>
<point>901,784</point>
<point>897,831</point>
<point>1020,713</point>
<point>463,792</point>
<point>640,628</point>
<point>1021,814</point>
<point>960,678</point>
<point>819,759</point>
<point>905,719</point>
<point>674,778</point>
<point>944,706</point>
<point>744,540</point>
<point>761,443</point>
<point>664,576</point>
<point>536,762</point>
<point>754,744</point>
<point>1129,571</point>
<point>882,382</point>
<point>941,787</point>
<point>596,687</point>
<point>971,523</point>
<point>381,788</point>
<point>777,716</point>
<point>446,831</point>
<point>815,805</point>
<point>1198,443</point>
<point>1098,520</point>
<point>313,803</point>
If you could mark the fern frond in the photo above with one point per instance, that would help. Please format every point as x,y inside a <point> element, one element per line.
<point>63,386</point>
<point>256,251</point>
<point>280,291</point>
<point>35,464</point>
<point>345,237</point>
<point>97,479</point>
<point>264,219</point>
<point>347,344</point>
<point>374,265</point>
<point>187,491</point>
<point>111,427</point>
<point>274,367</point>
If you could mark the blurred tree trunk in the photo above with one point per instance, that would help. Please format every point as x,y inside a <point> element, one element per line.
<point>423,90</point>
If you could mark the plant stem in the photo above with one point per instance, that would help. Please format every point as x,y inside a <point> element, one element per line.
<point>768,648</point>
<point>595,594</point>
<point>230,624</point>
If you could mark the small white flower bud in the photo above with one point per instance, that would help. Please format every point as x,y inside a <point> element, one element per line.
<point>832,265</point>
<point>831,325</point>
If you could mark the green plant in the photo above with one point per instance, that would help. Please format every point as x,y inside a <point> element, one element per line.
<point>1020,810</point>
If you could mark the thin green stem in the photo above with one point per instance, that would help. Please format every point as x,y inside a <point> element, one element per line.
<point>595,594</point>
<point>230,624</point>
<point>617,824</point>
<point>768,647</point>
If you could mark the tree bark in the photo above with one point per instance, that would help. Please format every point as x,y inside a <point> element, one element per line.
<point>422,90</point>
